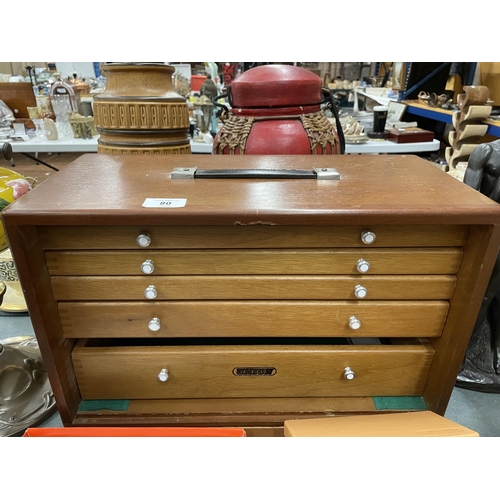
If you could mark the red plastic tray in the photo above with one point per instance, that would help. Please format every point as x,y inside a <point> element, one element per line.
<point>134,432</point>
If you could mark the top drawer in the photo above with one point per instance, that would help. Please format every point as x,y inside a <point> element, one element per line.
<point>257,236</point>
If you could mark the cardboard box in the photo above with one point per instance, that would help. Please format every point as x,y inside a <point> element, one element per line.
<point>409,424</point>
<point>134,432</point>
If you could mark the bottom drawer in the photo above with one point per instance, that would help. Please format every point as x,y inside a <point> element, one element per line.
<point>140,369</point>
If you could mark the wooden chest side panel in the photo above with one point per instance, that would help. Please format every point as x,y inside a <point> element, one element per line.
<point>480,254</point>
<point>253,318</point>
<point>54,347</point>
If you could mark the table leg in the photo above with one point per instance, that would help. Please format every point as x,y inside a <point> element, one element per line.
<point>40,161</point>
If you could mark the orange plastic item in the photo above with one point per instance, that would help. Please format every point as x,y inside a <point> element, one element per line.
<point>197,81</point>
<point>134,432</point>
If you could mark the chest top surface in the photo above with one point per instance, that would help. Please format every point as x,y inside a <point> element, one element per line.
<point>111,189</point>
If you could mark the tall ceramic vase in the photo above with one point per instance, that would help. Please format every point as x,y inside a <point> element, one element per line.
<point>140,112</point>
<point>276,110</point>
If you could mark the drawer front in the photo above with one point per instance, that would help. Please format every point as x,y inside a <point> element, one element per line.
<point>243,262</point>
<point>253,319</point>
<point>255,236</point>
<point>253,287</point>
<point>250,371</point>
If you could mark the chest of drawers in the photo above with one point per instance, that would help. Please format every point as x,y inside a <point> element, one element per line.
<point>258,301</point>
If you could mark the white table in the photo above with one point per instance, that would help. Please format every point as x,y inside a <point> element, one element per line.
<point>372,146</point>
<point>380,146</point>
<point>38,145</point>
<point>41,145</point>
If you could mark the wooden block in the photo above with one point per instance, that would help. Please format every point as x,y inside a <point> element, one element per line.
<point>410,135</point>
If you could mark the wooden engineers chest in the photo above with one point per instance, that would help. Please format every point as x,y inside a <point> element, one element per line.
<point>260,300</point>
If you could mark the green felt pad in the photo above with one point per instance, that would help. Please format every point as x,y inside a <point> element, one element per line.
<point>399,403</point>
<point>104,404</point>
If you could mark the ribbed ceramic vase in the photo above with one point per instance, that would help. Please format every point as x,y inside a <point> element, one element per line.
<point>140,112</point>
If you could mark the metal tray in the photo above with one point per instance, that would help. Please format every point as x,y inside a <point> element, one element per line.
<point>26,397</point>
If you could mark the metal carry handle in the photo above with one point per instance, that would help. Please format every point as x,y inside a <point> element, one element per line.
<point>255,173</point>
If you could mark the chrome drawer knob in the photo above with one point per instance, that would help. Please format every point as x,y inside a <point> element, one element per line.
<point>150,292</point>
<point>354,323</point>
<point>348,373</point>
<point>148,267</point>
<point>362,266</point>
<point>360,291</point>
<point>368,237</point>
<point>143,240</point>
<point>154,325</point>
<point>163,375</point>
